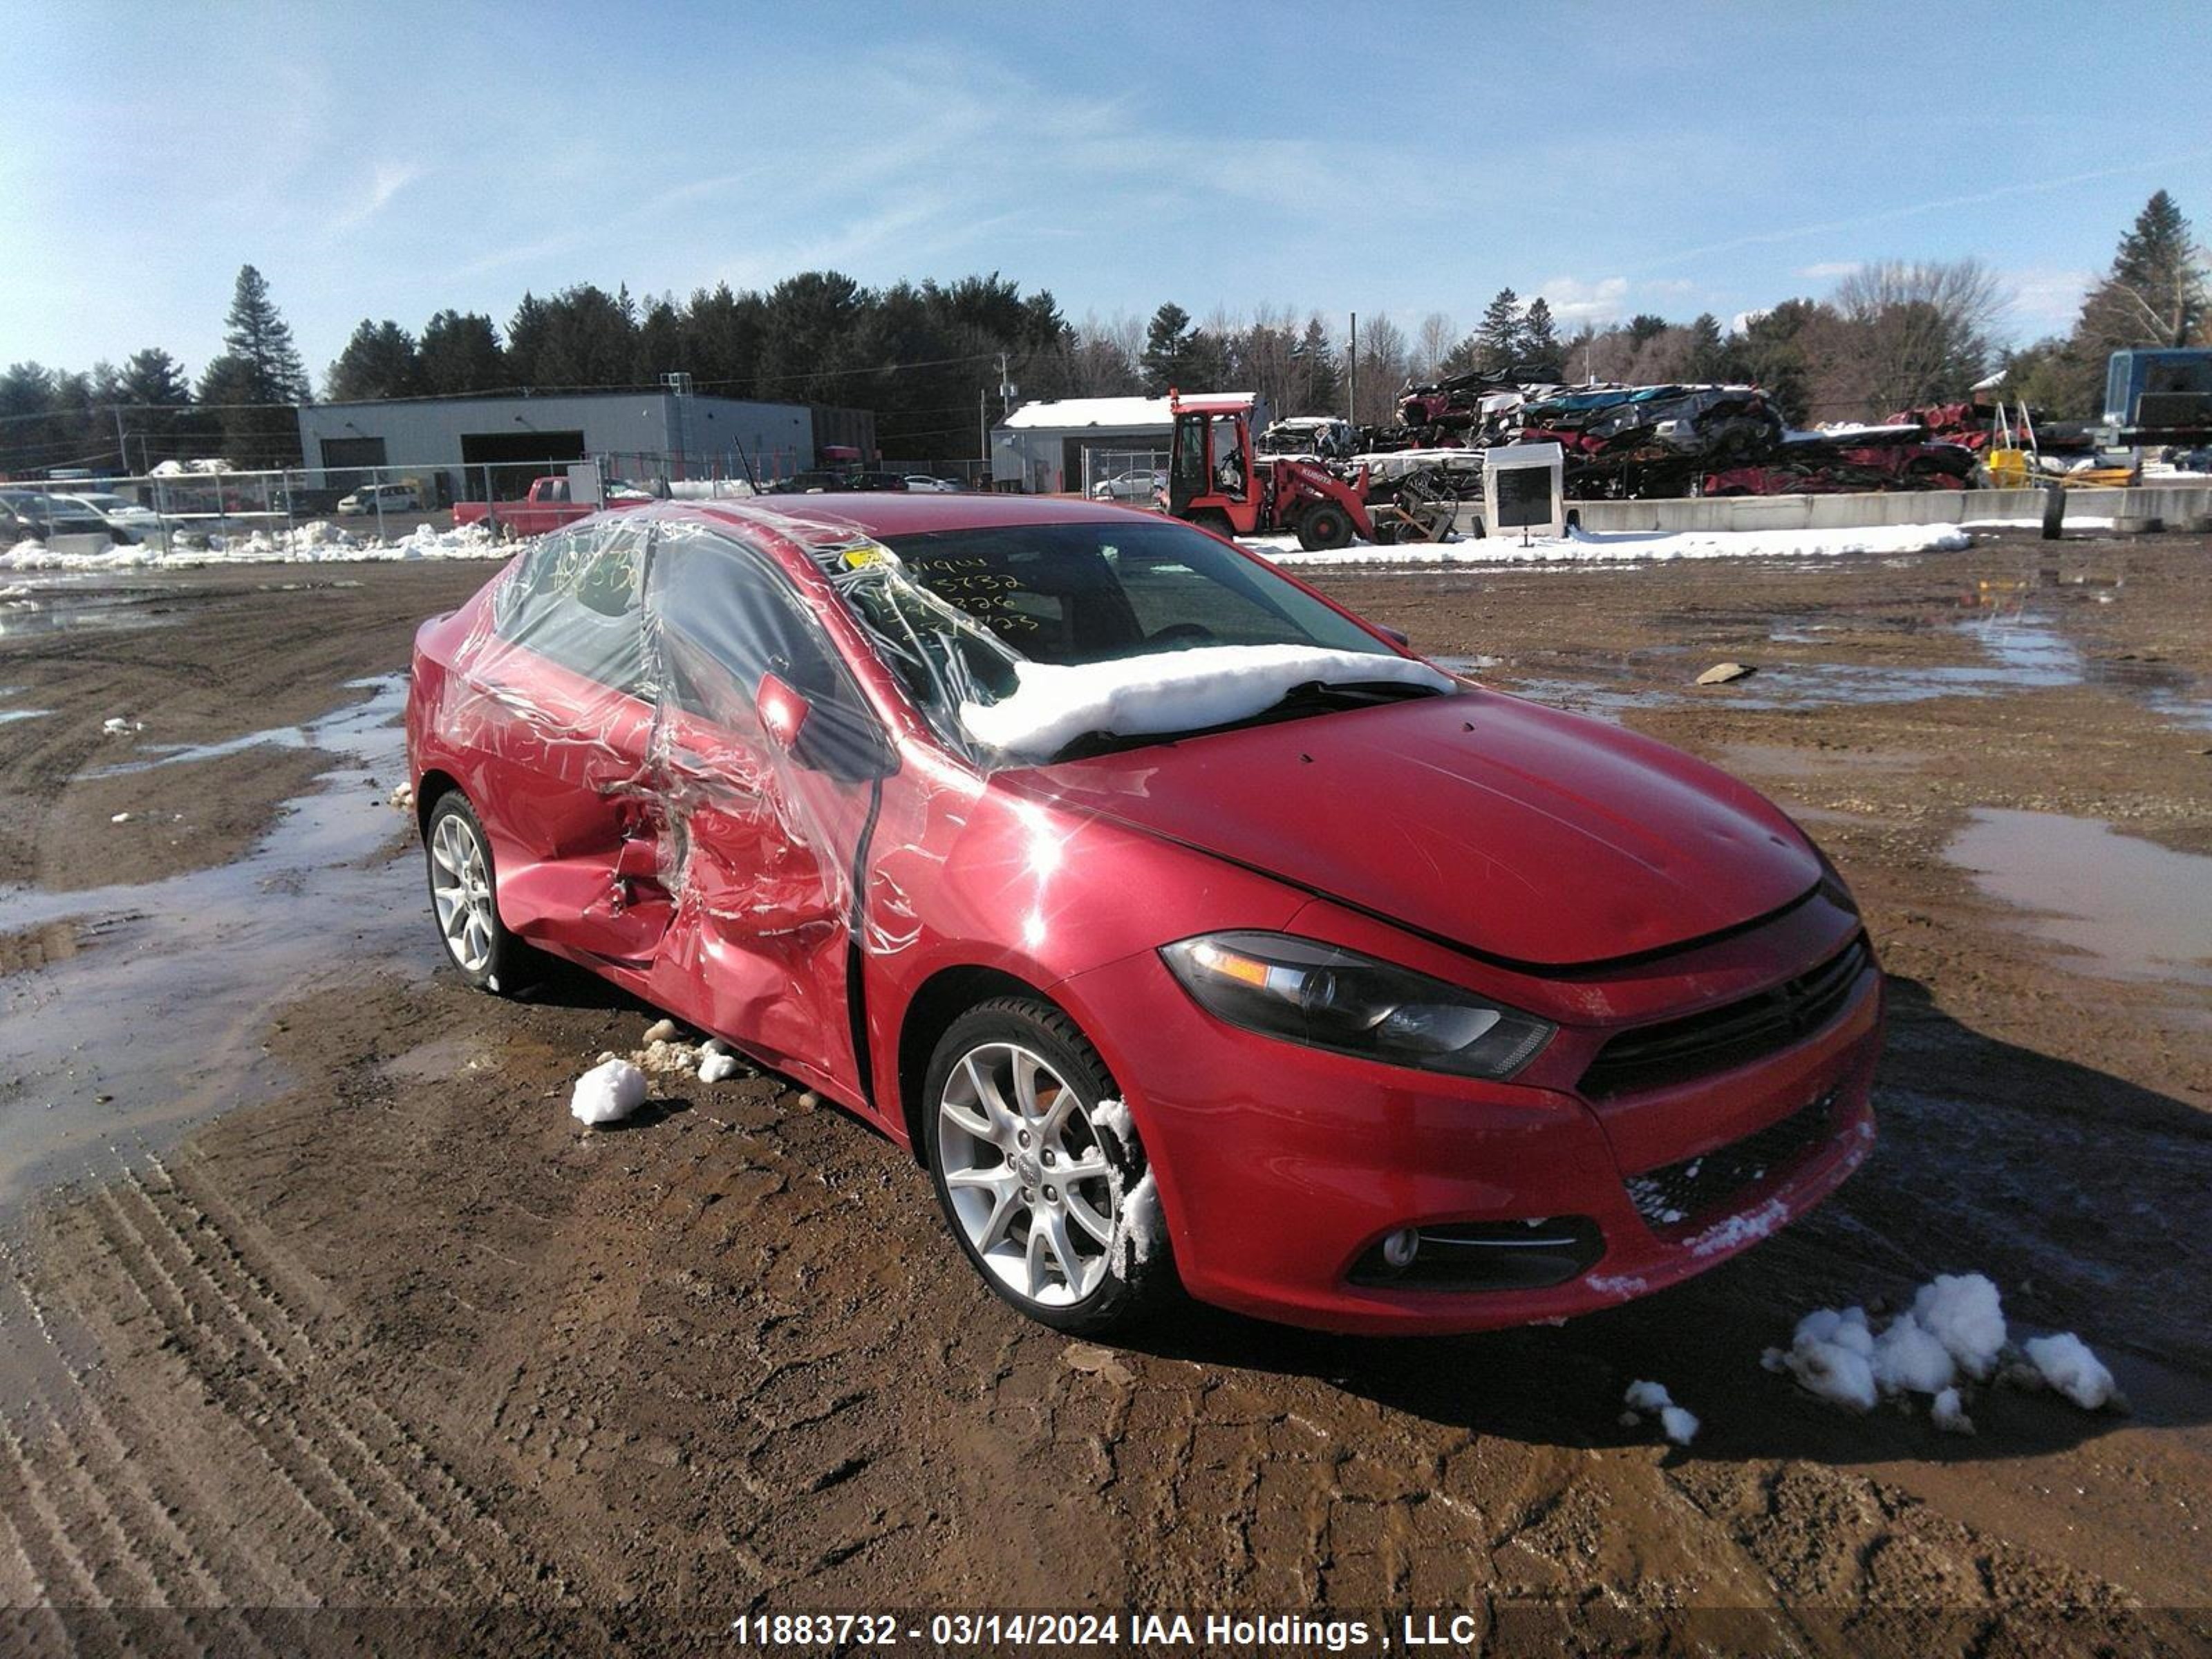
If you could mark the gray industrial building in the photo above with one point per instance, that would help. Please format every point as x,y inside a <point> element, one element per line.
<point>462,448</point>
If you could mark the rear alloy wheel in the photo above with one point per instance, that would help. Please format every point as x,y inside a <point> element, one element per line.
<point>464,902</point>
<point>1325,527</point>
<point>1039,1174</point>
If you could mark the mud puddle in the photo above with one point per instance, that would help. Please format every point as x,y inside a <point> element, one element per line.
<point>109,1049</point>
<point>2133,909</point>
<point>53,609</point>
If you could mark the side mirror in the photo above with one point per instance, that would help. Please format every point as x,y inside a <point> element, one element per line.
<point>782,712</point>
<point>1397,636</point>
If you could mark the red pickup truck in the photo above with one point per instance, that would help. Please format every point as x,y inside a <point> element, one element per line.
<point>547,507</point>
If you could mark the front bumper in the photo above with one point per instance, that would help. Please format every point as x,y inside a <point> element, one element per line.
<point>1280,1168</point>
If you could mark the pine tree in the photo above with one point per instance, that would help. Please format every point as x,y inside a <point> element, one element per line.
<point>2154,296</point>
<point>1168,341</point>
<point>460,352</point>
<point>1321,386</point>
<point>1501,333</point>
<point>380,361</point>
<point>258,335</point>
<point>154,383</point>
<point>1708,356</point>
<point>259,371</point>
<point>1542,356</point>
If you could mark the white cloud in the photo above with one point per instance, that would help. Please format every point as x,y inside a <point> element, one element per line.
<point>1573,300</point>
<point>2046,299</point>
<point>1829,270</point>
<point>389,178</point>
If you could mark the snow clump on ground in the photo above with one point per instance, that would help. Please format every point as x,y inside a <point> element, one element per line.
<point>608,1092</point>
<point>1651,1399</point>
<point>1951,1338</point>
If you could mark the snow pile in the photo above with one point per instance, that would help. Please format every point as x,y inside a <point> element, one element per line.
<point>2065,1363</point>
<point>116,726</point>
<point>608,1092</point>
<point>1583,546</point>
<point>1052,704</point>
<point>716,1063</point>
<point>1963,1313</point>
<point>1831,1355</point>
<point>1950,1338</point>
<point>316,542</point>
<point>1651,1399</point>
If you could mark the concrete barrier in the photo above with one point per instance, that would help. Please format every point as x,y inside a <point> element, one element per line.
<point>2175,504</point>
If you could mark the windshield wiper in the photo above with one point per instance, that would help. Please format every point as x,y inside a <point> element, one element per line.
<point>1311,697</point>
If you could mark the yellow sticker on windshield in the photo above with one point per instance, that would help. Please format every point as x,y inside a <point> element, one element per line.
<point>868,553</point>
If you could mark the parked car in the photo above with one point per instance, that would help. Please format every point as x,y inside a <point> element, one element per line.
<point>33,515</point>
<point>930,485</point>
<point>142,522</point>
<point>1129,487</point>
<point>1043,838</point>
<point>381,497</point>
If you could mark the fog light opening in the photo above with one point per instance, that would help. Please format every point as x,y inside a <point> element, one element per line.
<point>1400,1248</point>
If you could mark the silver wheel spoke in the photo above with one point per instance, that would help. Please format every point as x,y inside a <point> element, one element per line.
<point>1080,1213</point>
<point>1003,1212</point>
<point>969,1121</point>
<point>985,1088</point>
<point>1054,1226</point>
<point>1026,1084</point>
<point>1036,1260</point>
<point>1091,1166</point>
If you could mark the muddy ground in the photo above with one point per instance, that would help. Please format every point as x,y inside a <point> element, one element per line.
<point>393,1331</point>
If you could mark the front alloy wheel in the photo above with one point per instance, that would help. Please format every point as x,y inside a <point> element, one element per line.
<point>1039,1173</point>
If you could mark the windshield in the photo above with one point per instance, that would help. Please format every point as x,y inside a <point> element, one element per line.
<point>962,612</point>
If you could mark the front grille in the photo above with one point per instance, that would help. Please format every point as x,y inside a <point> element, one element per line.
<point>1683,1193</point>
<point>1651,1056</point>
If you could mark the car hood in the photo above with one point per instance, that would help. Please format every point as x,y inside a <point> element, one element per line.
<point>1522,834</point>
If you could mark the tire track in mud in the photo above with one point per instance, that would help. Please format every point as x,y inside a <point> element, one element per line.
<point>344,1470</point>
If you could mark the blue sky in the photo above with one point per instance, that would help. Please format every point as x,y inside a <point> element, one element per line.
<point>388,161</point>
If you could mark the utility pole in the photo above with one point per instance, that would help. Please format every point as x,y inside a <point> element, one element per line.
<point>1351,376</point>
<point>122,448</point>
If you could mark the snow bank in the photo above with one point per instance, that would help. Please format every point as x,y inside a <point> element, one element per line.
<point>1586,546</point>
<point>1170,691</point>
<point>316,542</point>
<point>1651,1399</point>
<point>610,1091</point>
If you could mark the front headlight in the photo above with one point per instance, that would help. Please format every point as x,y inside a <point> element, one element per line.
<point>1327,997</point>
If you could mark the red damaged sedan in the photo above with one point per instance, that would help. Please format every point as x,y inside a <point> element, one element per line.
<point>1188,929</point>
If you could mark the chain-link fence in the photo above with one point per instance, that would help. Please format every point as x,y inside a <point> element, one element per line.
<point>1134,476</point>
<point>187,506</point>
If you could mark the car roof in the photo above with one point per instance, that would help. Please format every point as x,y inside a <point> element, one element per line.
<point>913,513</point>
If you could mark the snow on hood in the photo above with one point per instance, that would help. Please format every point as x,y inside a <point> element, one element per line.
<point>1053,704</point>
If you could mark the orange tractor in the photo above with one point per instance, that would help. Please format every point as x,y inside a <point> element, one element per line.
<point>1215,481</point>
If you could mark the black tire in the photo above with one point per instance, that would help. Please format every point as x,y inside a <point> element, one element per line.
<point>1325,527</point>
<point>1213,518</point>
<point>1134,1268</point>
<point>507,965</point>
